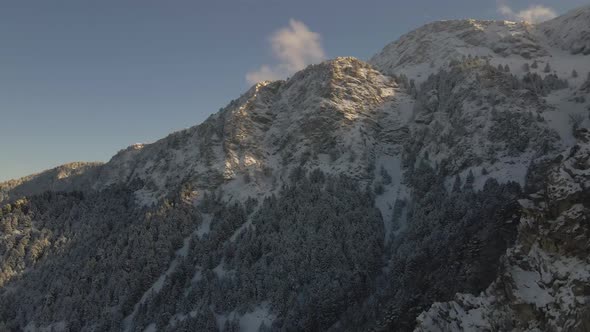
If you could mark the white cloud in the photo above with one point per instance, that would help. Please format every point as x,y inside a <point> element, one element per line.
<point>294,47</point>
<point>533,14</point>
<point>265,73</point>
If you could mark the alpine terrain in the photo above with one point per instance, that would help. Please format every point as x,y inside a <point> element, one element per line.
<point>444,185</point>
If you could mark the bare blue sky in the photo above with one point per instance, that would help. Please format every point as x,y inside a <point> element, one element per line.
<point>81,79</point>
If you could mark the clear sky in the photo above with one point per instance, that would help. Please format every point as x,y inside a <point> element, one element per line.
<point>81,79</point>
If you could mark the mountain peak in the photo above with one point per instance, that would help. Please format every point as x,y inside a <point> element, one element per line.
<point>433,45</point>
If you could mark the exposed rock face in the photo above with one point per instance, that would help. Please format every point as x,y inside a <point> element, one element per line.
<point>544,280</point>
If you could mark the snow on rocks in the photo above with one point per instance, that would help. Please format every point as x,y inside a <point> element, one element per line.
<point>544,279</point>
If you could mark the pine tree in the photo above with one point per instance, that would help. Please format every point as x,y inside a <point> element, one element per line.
<point>457,184</point>
<point>574,73</point>
<point>547,68</point>
<point>469,181</point>
<point>379,189</point>
<point>413,91</point>
<point>385,175</point>
<point>526,68</point>
<point>247,177</point>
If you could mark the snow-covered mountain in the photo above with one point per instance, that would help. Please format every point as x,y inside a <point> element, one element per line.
<point>427,49</point>
<point>324,113</point>
<point>570,32</point>
<point>352,196</point>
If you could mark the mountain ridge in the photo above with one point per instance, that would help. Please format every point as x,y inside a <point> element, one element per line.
<point>575,15</point>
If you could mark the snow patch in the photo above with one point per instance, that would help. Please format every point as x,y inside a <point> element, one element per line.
<point>249,321</point>
<point>151,328</point>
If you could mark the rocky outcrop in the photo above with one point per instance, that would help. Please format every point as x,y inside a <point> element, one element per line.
<point>544,280</point>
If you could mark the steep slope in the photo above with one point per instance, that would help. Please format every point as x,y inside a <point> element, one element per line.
<point>544,280</point>
<point>330,109</point>
<point>456,68</point>
<point>473,114</point>
<point>447,66</point>
<point>219,185</point>
<point>570,32</point>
